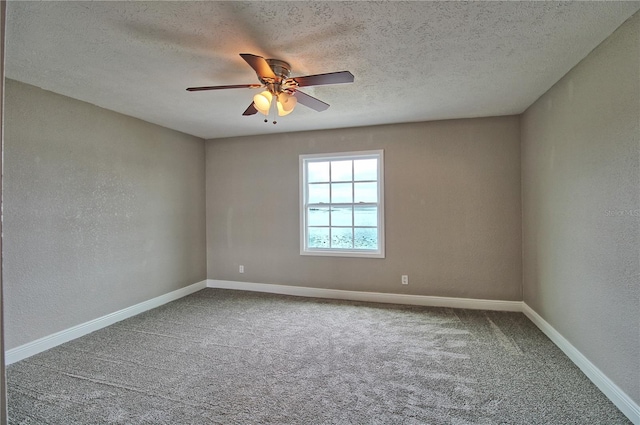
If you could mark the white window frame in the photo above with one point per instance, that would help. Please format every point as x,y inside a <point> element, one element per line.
<point>342,252</point>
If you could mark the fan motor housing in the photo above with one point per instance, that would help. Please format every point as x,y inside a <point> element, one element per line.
<point>281,68</point>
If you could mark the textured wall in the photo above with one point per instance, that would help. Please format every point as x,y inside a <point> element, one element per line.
<point>452,195</point>
<point>3,396</point>
<point>581,205</point>
<point>101,211</point>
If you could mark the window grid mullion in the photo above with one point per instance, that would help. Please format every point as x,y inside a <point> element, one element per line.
<point>342,205</point>
<point>344,181</point>
<point>330,203</point>
<point>353,200</point>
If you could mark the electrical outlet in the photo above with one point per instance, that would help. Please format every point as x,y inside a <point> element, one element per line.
<point>241,268</point>
<point>405,279</point>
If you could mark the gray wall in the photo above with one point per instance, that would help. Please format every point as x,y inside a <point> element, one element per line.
<point>581,207</point>
<point>452,195</point>
<point>101,211</point>
<point>3,393</point>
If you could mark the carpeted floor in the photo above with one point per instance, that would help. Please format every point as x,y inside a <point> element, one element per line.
<point>230,357</point>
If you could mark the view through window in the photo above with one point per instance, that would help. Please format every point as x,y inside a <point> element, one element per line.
<point>342,204</point>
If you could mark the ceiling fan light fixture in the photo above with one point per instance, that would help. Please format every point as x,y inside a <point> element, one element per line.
<point>281,111</point>
<point>263,102</point>
<point>274,76</point>
<point>286,103</point>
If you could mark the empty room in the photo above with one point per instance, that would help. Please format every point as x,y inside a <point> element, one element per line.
<point>336,212</point>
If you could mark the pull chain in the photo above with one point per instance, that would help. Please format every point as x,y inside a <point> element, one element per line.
<point>275,109</point>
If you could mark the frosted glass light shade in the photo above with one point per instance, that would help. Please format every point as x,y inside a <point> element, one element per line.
<point>285,104</point>
<point>263,102</point>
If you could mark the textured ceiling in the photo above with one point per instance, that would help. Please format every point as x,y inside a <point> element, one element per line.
<point>412,61</point>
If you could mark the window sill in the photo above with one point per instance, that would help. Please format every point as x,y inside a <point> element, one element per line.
<point>352,254</point>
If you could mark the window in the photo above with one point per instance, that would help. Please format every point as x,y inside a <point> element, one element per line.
<point>342,204</point>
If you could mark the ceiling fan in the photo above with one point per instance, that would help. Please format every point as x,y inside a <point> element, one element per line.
<point>274,74</point>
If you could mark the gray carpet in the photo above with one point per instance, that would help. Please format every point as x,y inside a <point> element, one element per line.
<point>231,357</point>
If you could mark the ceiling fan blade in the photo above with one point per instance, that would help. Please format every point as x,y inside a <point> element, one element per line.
<point>251,110</point>
<point>322,79</point>
<point>260,65</point>
<point>235,86</point>
<point>310,101</point>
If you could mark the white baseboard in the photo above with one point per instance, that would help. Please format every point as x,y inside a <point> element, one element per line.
<point>376,297</point>
<point>50,341</point>
<point>609,389</point>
